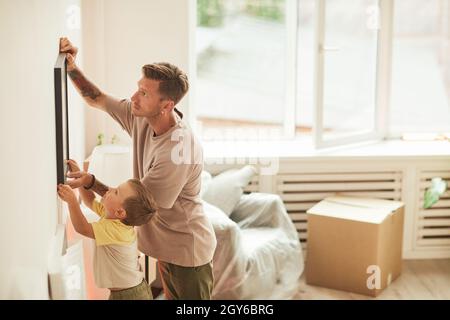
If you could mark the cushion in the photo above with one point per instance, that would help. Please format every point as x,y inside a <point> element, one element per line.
<point>225,190</point>
<point>217,217</point>
<point>206,180</point>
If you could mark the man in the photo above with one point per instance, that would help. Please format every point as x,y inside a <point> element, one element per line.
<point>168,159</point>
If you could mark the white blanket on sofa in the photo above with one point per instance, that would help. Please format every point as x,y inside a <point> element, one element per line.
<point>258,254</point>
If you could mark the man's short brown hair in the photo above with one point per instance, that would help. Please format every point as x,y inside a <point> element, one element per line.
<point>173,83</point>
<point>141,207</point>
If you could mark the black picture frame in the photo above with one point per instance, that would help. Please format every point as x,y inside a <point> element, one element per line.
<point>61,117</point>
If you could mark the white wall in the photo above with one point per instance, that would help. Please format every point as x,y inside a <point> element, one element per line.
<point>29,32</point>
<point>119,37</point>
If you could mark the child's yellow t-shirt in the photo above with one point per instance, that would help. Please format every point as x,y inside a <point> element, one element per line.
<point>116,258</point>
<point>111,231</point>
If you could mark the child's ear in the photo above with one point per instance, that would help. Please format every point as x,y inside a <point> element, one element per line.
<point>121,213</point>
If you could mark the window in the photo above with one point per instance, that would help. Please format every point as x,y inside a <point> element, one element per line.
<point>338,71</point>
<point>421,67</point>
<point>305,68</point>
<point>241,64</point>
<point>347,67</point>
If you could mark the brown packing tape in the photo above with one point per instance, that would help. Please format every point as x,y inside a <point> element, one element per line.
<point>356,205</point>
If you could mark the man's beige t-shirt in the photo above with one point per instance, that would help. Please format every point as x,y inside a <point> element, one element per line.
<point>170,165</point>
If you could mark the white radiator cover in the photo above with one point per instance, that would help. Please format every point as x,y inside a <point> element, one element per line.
<point>301,191</point>
<point>433,224</point>
<point>302,182</point>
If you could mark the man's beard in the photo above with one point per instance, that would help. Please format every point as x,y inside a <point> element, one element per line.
<point>155,115</point>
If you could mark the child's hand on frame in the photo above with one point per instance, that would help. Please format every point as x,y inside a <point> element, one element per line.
<point>67,194</point>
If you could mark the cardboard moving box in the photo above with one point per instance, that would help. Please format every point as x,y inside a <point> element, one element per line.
<point>354,244</point>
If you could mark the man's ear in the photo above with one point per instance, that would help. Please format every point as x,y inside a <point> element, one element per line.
<point>168,106</point>
<point>121,213</point>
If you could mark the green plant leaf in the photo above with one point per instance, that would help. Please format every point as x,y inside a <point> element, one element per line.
<point>433,193</point>
<point>100,138</point>
<point>114,139</point>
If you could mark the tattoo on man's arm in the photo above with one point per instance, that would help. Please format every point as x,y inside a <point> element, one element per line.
<point>86,88</point>
<point>99,188</point>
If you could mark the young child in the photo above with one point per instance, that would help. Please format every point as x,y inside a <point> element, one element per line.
<point>116,264</point>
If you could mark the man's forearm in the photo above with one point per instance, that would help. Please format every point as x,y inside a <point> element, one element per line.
<point>99,188</point>
<point>86,88</point>
<point>87,196</point>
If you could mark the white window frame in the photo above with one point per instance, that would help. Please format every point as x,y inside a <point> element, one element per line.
<point>382,84</point>
<point>291,14</point>
<point>383,80</point>
<point>192,68</point>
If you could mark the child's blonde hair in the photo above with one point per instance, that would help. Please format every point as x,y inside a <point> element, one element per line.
<point>141,207</point>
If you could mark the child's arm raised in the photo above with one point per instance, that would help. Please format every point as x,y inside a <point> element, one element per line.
<point>76,216</point>
<point>87,196</point>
